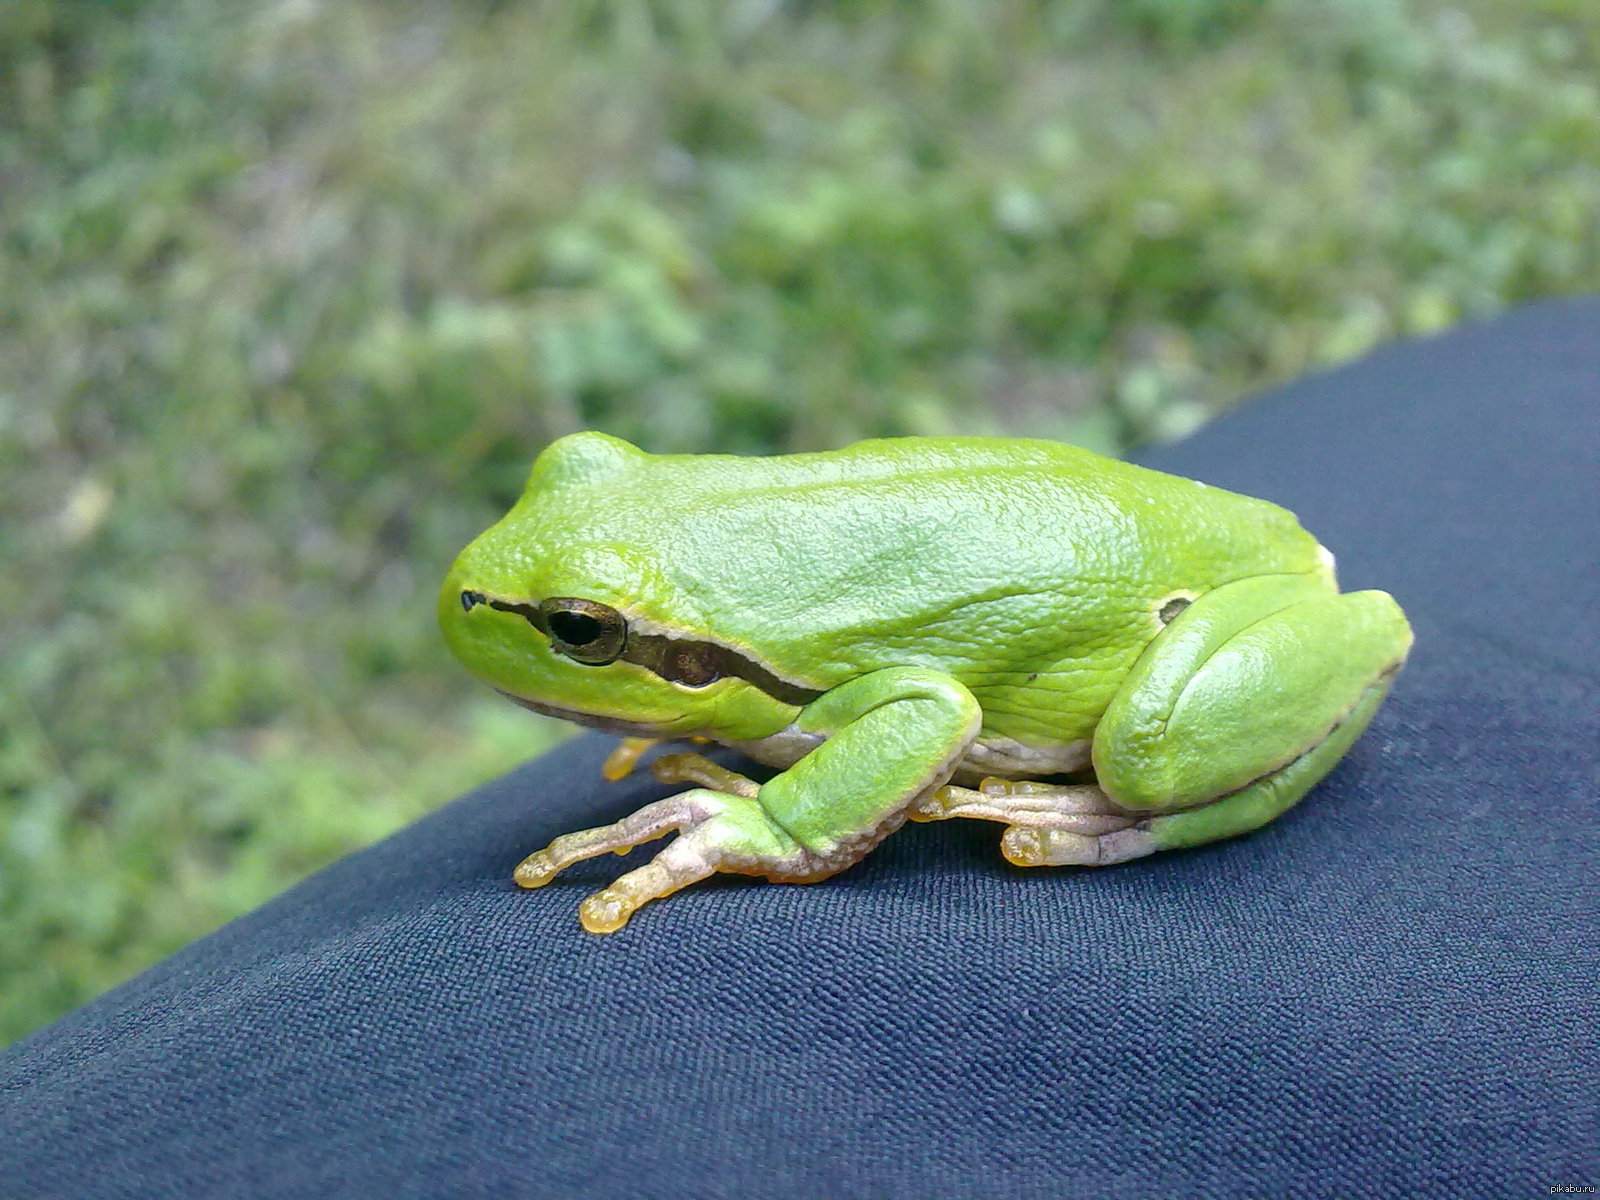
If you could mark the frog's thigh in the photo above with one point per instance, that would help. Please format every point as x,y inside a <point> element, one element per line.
<point>1036,845</point>
<point>1245,701</point>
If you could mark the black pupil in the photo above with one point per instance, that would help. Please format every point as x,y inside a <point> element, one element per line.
<point>575,629</point>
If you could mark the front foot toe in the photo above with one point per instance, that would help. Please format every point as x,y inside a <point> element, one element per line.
<point>717,832</point>
<point>605,912</point>
<point>536,870</point>
<point>620,762</point>
<point>688,767</point>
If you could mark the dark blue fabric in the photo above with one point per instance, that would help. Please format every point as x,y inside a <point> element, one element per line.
<point>1389,992</point>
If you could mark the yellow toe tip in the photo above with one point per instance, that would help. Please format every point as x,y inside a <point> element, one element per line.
<point>534,871</point>
<point>930,806</point>
<point>604,912</point>
<point>1023,847</point>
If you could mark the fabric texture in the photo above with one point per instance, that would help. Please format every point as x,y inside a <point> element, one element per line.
<point>1390,991</point>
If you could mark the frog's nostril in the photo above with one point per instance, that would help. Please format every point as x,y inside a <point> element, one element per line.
<point>470,600</point>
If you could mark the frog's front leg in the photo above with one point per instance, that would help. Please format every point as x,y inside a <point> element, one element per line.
<point>891,736</point>
<point>1229,717</point>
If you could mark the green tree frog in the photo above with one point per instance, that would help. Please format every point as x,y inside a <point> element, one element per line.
<point>1107,660</point>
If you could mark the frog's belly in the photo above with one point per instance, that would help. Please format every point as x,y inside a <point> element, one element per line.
<point>996,755</point>
<point>992,755</point>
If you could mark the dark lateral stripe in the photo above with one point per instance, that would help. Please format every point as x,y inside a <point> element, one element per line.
<point>680,660</point>
<point>530,611</point>
<point>696,664</point>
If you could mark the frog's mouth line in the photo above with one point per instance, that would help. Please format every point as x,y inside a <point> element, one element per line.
<point>594,720</point>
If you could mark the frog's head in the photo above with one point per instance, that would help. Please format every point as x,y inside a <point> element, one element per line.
<point>558,609</point>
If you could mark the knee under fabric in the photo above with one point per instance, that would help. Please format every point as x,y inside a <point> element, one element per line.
<point>1388,991</point>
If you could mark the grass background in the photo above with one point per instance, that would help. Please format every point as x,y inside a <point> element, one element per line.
<point>291,292</point>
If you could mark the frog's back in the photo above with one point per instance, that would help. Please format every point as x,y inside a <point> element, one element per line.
<point>1018,566</point>
<point>976,511</point>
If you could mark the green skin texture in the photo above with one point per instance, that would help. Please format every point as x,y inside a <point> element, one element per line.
<point>940,596</point>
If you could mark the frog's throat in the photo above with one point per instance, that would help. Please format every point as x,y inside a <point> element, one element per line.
<point>990,755</point>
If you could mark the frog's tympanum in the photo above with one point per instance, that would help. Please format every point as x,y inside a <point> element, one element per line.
<point>1107,660</point>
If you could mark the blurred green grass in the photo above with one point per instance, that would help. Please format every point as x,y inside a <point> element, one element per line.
<point>291,292</point>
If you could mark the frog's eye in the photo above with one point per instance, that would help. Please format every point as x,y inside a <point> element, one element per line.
<point>585,630</point>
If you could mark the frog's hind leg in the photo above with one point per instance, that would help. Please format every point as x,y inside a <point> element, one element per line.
<point>1231,715</point>
<point>1158,804</point>
<point>1253,806</point>
<point>1056,826</point>
<point>1044,845</point>
<point>1048,824</point>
